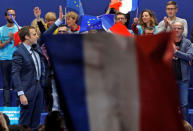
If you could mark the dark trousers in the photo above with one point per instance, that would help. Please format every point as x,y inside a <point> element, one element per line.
<point>183,91</point>
<point>30,114</point>
<point>6,77</point>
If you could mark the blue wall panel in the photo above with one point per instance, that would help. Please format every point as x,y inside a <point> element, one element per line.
<point>24,8</point>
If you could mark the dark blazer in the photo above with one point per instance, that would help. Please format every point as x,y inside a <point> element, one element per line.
<point>24,72</point>
<point>185,54</point>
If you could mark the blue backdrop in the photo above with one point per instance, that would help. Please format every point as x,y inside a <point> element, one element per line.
<point>24,8</point>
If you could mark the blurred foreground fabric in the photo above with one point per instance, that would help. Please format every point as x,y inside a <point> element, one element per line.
<point>114,83</point>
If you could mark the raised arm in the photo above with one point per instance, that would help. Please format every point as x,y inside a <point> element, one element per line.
<point>37,14</point>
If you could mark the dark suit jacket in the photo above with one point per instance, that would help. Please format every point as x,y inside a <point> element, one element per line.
<point>185,54</point>
<point>24,72</point>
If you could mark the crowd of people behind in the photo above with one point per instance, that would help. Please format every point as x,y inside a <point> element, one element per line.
<point>54,121</point>
<point>27,64</point>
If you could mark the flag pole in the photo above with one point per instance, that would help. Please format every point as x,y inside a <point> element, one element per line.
<point>65,15</point>
<point>137,11</point>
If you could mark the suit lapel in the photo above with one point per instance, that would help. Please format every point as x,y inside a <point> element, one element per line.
<point>27,54</point>
<point>26,51</point>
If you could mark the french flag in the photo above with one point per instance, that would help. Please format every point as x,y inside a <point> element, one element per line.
<point>116,83</point>
<point>128,5</point>
<point>124,6</point>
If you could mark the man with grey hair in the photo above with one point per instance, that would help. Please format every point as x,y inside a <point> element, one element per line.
<point>183,53</point>
<point>166,23</point>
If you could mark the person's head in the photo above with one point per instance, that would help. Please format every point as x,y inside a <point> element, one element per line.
<point>120,17</point>
<point>187,126</point>
<point>7,16</point>
<point>28,35</point>
<point>171,8</point>
<point>54,121</point>
<point>149,30</point>
<point>40,128</point>
<point>63,29</point>
<point>50,18</point>
<point>6,119</point>
<point>146,18</point>
<point>3,124</point>
<point>71,18</point>
<point>178,28</point>
<point>25,128</point>
<point>35,25</point>
<point>15,128</point>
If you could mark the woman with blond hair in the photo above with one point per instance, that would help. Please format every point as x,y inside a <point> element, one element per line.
<point>146,19</point>
<point>50,18</point>
<point>34,23</point>
<point>71,21</point>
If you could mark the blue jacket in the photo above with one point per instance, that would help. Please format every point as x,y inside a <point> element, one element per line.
<point>24,72</point>
<point>185,54</point>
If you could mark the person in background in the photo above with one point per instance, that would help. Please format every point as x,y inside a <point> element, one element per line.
<point>166,23</point>
<point>34,23</point>
<point>40,128</point>
<point>54,121</point>
<point>120,17</point>
<point>7,49</point>
<point>6,119</point>
<point>63,29</point>
<point>71,21</point>
<point>3,124</point>
<point>149,31</point>
<point>187,126</point>
<point>50,18</point>
<point>50,92</point>
<point>183,53</point>
<point>146,19</point>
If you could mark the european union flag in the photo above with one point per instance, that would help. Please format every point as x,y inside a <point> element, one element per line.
<point>75,5</point>
<point>90,23</point>
<point>107,21</point>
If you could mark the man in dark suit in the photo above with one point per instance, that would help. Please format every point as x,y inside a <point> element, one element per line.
<point>28,72</point>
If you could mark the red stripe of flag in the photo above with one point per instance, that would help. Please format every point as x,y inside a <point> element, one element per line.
<point>158,90</point>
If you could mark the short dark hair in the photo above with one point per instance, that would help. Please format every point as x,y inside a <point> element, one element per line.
<point>6,12</point>
<point>54,121</point>
<point>149,28</point>
<point>119,13</point>
<point>24,31</point>
<point>63,25</point>
<point>172,3</point>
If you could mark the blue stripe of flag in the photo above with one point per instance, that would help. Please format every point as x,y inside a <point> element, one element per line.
<point>66,53</point>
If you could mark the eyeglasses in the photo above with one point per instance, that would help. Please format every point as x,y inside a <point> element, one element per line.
<point>170,9</point>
